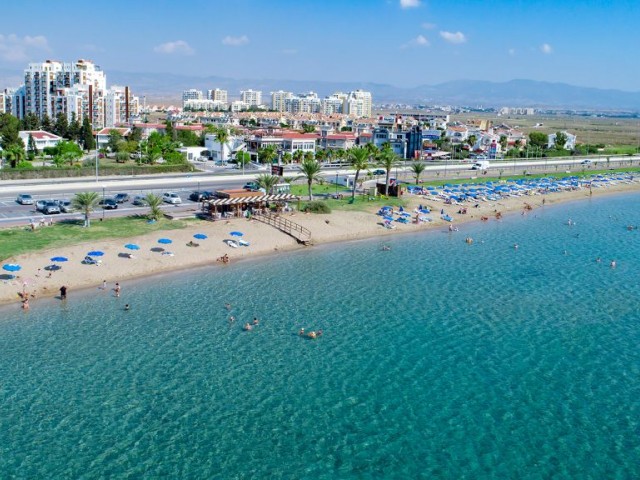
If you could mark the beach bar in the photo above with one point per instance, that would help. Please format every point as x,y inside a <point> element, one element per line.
<point>241,203</point>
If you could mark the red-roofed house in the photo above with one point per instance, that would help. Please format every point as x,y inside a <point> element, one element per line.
<point>41,138</point>
<point>103,135</point>
<point>338,141</point>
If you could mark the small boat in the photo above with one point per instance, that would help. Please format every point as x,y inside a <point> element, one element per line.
<point>231,243</point>
<point>243,243</point>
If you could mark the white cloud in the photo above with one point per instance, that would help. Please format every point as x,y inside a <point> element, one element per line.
<point>235,41</point>
<point>428,26</point>
<point>419,41</point>
<point>546,48</point>
<point>16,49</point>
<point>454,37</point>
<point>179,47</point>
<point>409,3</point>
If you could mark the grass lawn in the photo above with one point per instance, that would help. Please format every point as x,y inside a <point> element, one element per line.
<point>19,240</point>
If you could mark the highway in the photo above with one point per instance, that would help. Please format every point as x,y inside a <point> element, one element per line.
<point>11,213</point>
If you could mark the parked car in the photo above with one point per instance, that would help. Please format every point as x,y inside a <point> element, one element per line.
<point>121,197</point>
<point>251,186</point>
<point>378,171</point>
<point>24,199</point>
<point>50,206</point>
<point>199,196</point>
<point>140,201</point>
<point>108,204</point>
<point>65,206</point>
<point>171,197</point>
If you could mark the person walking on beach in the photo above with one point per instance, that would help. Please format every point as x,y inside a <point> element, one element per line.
<point>104,284</point>
<point>63,292</point>
<point>116,289</point>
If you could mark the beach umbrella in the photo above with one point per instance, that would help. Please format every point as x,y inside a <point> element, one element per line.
<point>11,267</point>
<point>132,246</point>
<point>200,236</point>
<point>95,253</point>
<point>59,259</point>
<point>236,234</point>
<point>165,241</point>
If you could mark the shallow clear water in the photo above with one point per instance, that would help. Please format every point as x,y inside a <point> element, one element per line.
<point>438,360</point>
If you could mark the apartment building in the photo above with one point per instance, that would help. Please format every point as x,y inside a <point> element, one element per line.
<point>278,100</point>
<point>51,88</point>
<point>252,98</point>
<point>192,94</point>
<point>217,95</point>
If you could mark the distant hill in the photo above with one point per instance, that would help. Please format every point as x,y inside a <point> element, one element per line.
<point>167,87</point>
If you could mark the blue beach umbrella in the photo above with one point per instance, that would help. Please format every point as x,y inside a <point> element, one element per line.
<point>59,259</point>
<point>132,246</point>
<point>236,234</point>
<point>200,236</point>
<point>165,241</point>
<point>95,253</point>
<point>11,267</point>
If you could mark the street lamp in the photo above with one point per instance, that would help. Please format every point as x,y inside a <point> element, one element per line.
<point>96,157</point>
<point>336,183</point>
<point>103,209</point>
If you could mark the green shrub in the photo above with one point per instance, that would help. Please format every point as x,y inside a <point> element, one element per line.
<point>316,206</point>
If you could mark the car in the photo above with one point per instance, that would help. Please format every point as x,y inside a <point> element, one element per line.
<point>378,171</point>
<point>108,204</point>
<point>586,162</point>
<point>121,197</point>
<point>24,199</point>
<point>199,196</point>
<point>65,206</point>
<point>50,207</point>
<point>251,186</point>
<point>140,201</point>
<point>171,197</point>
<point>42,205</point>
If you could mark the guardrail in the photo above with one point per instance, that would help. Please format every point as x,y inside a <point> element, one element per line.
<point>300,233</point>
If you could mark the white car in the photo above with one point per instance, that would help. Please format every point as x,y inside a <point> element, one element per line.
<point>171,197</point>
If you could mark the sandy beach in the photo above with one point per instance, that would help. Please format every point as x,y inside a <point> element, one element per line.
<point>334,227</point>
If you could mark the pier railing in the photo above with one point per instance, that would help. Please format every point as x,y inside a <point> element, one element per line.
<point>300,233</point>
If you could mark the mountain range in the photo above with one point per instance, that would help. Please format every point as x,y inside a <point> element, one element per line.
<point>167,87</point>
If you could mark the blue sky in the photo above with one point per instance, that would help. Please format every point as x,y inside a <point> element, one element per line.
<point>400,42</point>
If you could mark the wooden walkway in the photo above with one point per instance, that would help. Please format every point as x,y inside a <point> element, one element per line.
<point>301,234</point>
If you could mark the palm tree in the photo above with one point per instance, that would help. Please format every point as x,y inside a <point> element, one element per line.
<point>154,202</point>
<point>287,158</point>
<point>359,159</point>
<point>267,153</point>
<point>15,154</point>
<point>387,159</point>
<point>222,136</point>
<point>371,149</point>
<point>298,155</point>
<point>86,202</point>
<point>417,169</point>
<point>310,169</point>
<point>267,182</point>
<point>322,155</point>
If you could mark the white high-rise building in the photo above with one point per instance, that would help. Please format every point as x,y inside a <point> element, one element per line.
<point>358,103</point>
<point>192,94</point>
<point>252,98</point>
<point>217,95</point>
<point>278,99</point>
<point>79,88</point>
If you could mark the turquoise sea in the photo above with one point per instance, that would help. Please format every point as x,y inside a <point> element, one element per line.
<point>438,360</point>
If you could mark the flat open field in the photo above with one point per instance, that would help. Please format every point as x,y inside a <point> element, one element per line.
<point>615,132</point>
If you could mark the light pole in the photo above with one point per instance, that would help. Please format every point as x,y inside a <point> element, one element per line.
<point>96,157</point>
<point>103,203</point>
<point>336,183</point>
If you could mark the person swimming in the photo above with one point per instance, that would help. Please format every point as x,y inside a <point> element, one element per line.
<point>247,327</point>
